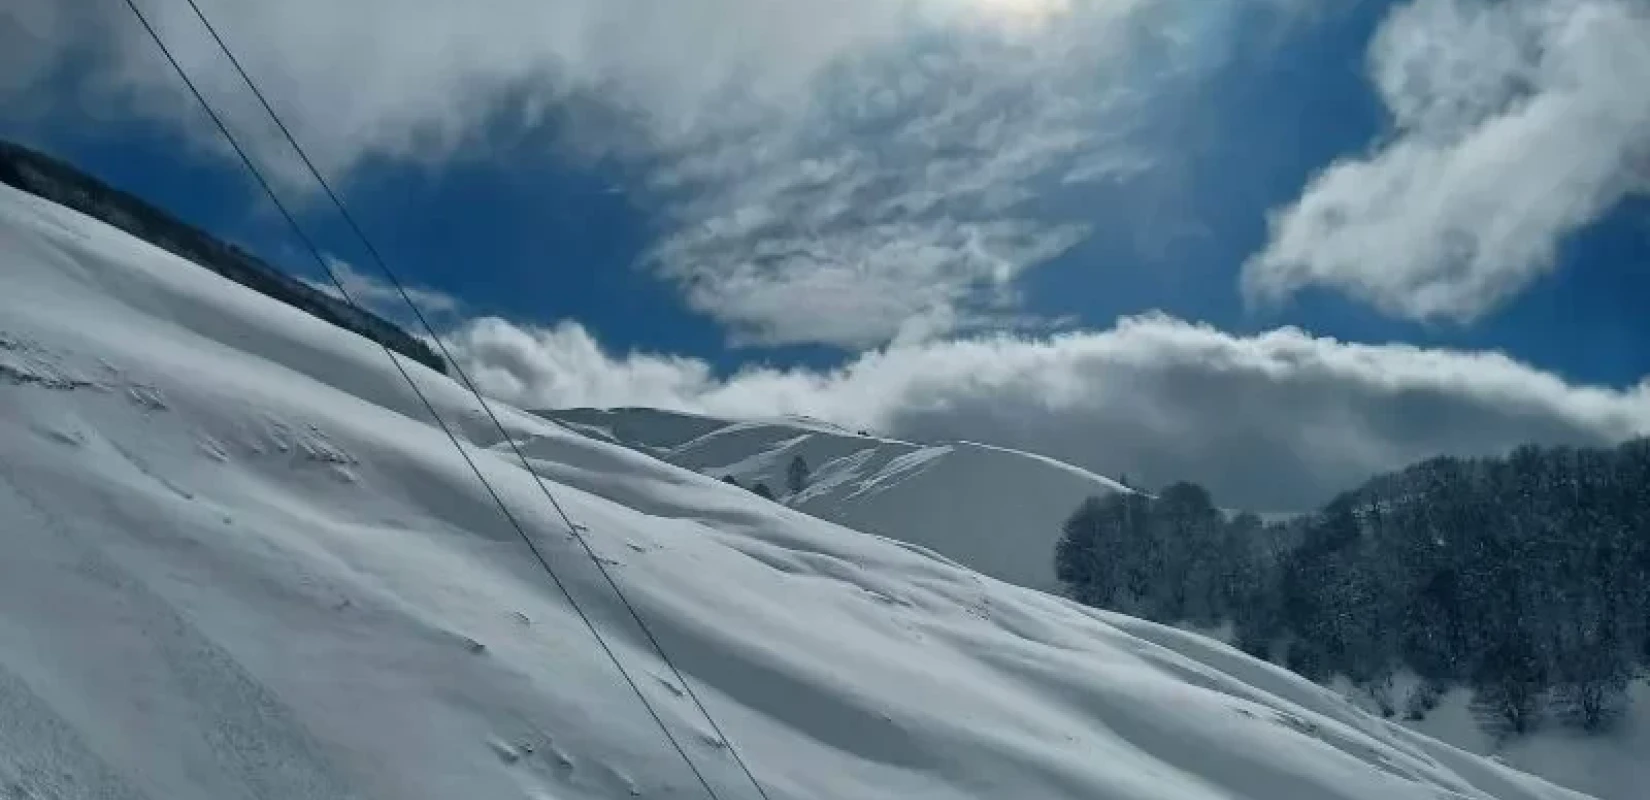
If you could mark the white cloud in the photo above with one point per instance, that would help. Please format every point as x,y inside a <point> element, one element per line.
<point>897,202</point>
<point>1276,421</point>
<point>414,78</point>
<point>565,366</point>
<point>1516,124</point>
<point>381,298</point>
<point>841,171</point>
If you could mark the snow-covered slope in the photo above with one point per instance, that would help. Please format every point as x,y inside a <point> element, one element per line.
<point>1610,764</point>
<point>999,512</point>
<point>992,509</point>
<point>237,562</point>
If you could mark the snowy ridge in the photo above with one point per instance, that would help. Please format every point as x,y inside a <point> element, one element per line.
<point>994,509</point>
<point>240,563</point>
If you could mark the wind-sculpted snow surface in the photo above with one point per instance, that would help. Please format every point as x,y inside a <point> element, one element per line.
<point>239,562</point>
<point>993,509</point>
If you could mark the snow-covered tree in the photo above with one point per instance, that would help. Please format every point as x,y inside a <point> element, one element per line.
<point>1524,578</point>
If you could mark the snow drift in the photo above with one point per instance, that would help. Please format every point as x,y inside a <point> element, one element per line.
<point>239,562</point>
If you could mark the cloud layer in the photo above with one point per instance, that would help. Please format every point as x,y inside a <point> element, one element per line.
<point>1278,421</point>
<point>847,172</point>
<point>896,205</point>
<point>877,174</point>
<point>856,172</point>
<point>378,296</point>
<point>1516,124</point>
<point>415,78</point>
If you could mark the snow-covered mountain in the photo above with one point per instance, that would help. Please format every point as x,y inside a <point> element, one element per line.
<point>999,512</point>
<point>238,561</point>
<point>992,509</point>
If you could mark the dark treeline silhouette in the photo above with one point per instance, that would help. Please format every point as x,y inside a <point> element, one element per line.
<point>796,475</point>
<point>760,489</point>
<point>1525,579</point>
<point>60,183</point>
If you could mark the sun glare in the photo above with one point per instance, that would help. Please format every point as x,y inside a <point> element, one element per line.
<point>1022,10</point>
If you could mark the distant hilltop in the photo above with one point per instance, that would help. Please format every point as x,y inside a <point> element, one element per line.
<point>61,183</point>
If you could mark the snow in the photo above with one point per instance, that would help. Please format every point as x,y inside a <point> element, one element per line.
<point>999,511</point>
<point>993,509</point>
<point>239,562</point>
<point>1609,764</point>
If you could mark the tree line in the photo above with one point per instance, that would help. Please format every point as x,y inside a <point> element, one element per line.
<point>1524,578</point>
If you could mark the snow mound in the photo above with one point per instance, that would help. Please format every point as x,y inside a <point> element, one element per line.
<point>992,509</point>
<point>239,562</point>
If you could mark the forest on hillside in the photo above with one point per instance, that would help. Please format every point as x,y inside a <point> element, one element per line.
<point>1524,578</point>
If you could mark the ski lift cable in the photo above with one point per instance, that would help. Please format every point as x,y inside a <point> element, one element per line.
<point>400,288</point>
<point>348,299</point>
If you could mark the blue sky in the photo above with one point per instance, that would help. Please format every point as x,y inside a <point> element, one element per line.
<point>726,207</point>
